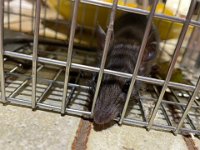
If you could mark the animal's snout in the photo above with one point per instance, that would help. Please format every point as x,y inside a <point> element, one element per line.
<point>103,118</point>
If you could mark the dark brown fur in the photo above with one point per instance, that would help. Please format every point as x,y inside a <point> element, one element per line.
<point>122,56</point>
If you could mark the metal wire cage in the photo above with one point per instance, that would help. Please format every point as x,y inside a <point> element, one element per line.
<point>44,55</point>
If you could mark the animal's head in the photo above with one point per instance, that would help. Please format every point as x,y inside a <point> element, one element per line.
<point>111,99</point>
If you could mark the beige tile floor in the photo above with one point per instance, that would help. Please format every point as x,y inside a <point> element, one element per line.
<point>21,128</point>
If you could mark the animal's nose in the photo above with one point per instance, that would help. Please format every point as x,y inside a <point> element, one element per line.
<point>100,118</point>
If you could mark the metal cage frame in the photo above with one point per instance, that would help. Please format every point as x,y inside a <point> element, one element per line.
<point>68,65</point>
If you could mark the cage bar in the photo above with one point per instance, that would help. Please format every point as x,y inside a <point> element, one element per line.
<point>35,51</point>
<point>172,64</point>
<point>24,83</point>
<point>69,56</point>
<point>3,98</point>
<point>171,25</point>
<point>181,106</point>
<point>20,15</point>
<point>57,17</point>
<point>142,12</point>
<point>139,59</point>
<point>45,17</point>
<point>49,86</point>
<point>107,71</point>
<point>196,91</point>
<point>105,52</point>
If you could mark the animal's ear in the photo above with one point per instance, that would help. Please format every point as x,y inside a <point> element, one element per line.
<point>101,35</point>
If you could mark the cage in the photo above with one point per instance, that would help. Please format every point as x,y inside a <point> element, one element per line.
<point>48,56</point>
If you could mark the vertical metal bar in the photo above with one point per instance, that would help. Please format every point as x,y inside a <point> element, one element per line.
<point>45,16</point>
<point>69,55</point>
<point>105,52</point>
<point>171,25</point>
<point>57,18</point>
<point>20,15</point>
<point>82,23</point>
<point>73,89</point>
<point>188,106</point>
<point>95,25</point>
<point>35,50</point>
<point>8,14</point>
<point>142,110</point>
<point>139,59</point>
<point>173,62</point>
<point>32,14</point>
<point>163,108</point>
<point>49,87</point>
<point>187,54</point>
<point>3,98</point>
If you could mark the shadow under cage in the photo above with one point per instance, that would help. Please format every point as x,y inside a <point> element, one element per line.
<point>49,52</point>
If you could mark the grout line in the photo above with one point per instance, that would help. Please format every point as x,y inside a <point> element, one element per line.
<point>82,134</point>
<point>190,143</point>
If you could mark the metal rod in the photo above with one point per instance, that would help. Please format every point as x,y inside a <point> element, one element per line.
<point>42,80</point>
<point>157,126</point>
<point>49,86</point>
<point>83,13</point>
<point>178,104</point>
<point>32,14</point>
<point>57,17</point>
<point>23,15</point>
<point>141,11</point>
<point>68,100</point>
<point>16,91</point>
<point>188,106</point>
<point>48,106</point>
<point>20,15</point>
<point>139,59</point>
<point>95,69</point>
<point>3,96</point>
<point>8,8</point>
<point>74,111</point>
<point>142,110</point>
<point>186,55</point>
<point>45,16</point>
<point>95,25</point>
<point>35,51</point>
<point>182,108</point>
<point>163,108</point>
<point>172,64</point>
<point>15,68</point>
<point>69,55</point>
<point>170,27</point>
<point>105,52</point>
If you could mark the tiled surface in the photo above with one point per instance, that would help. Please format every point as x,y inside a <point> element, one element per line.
<point>133,138</point>
<point>21,128</point>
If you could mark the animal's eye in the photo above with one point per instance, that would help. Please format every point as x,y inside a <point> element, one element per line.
<point>126,86</point>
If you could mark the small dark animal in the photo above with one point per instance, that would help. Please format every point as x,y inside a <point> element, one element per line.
<point>122,56</point>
